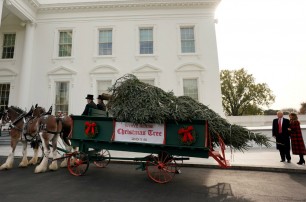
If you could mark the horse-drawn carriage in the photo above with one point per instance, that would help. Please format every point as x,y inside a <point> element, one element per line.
<point>166,144</point>
<point>133,128</point>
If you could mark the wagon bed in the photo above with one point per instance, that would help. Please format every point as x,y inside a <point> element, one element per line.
<point>167,143</point>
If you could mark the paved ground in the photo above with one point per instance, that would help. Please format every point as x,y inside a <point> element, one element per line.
<point>263,159</point>
<point>123,182</point>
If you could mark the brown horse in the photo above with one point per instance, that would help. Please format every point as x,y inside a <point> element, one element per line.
<point>65,135</point>
<point>51,128</point>
<point>24,128</point>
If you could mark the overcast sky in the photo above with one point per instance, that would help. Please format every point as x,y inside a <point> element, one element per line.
<point>268,39</point>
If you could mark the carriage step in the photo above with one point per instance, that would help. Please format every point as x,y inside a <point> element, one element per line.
<point>220,159</point>
<point>217,154</point>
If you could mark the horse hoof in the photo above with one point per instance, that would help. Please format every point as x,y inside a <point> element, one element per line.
<point>53,167</point>
<point>32,162</point>
<point>22,166</point>
<point>4,167</point>
<point>64,164</point>
<point>39,170</point>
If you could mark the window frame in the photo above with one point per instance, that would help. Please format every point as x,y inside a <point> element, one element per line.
<point>96,31</point>
<point>196,39</point>
<point>154,35</point>
<point>142,42</point>
<point>65,44</point>
<point>197,83</point>
<point>99,31</point>
<point>100,80</point>
<point>66,75</point>
<point>3,45</point>
<point>55,94</point>
<point>9,93</point>
<point>56,43</point>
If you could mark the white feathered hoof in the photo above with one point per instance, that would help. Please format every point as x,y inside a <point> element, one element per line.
<point>23,164</point>
<point>6,167</point>
<point>33,161</point>
<point>53,166</point>
<point>64,163</point>
<point>42,167</point>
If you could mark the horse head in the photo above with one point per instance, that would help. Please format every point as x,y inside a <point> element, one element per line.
<point>11,114</point>
<point>38,111</point>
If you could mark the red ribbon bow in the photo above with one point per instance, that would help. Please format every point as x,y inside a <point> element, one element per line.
<point>90,127</point>
<point>187,137</point>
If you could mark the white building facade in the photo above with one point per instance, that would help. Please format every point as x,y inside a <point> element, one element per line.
<point>56,52</point>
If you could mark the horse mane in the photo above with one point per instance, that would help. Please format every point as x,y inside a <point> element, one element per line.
<point>39,109</point>
<point>21,113</point>
<point>18,110</point>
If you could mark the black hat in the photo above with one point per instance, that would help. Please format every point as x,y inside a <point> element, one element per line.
<point>100,97</point>
<point>90,97</point>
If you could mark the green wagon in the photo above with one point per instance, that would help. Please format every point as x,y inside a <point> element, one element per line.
<point>168,144</point>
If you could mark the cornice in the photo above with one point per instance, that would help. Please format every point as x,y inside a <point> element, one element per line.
<point>123,4</point>
<point>25,9</point>
<point>34,3</point>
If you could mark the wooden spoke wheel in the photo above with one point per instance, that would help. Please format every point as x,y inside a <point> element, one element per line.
<point>103,158</point>
<point>78,163</point>
<point>161,168</point>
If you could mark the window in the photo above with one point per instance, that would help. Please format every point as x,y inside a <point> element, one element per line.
<point>65,43</point>
<point>146,40</point>
<point>8,46</point>
<point>106,42</point>
<point>148,81</point>
<point>4,95</point>
<point>187,40</point>
<point>62,97</point>
<point>103,86</point>
<point>190,87</point>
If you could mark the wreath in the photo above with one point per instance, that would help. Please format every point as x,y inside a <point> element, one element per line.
<point>91,129</point>
<point>187,135</point>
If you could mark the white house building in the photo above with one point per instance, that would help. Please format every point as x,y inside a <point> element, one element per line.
<point>55,52</point>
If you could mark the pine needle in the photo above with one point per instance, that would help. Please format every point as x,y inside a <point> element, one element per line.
<point>138,102</point>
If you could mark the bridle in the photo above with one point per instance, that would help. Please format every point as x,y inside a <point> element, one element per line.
<point>5,118</point>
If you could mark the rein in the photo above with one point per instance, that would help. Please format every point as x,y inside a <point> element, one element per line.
<point>19,118</point>
<point>26,121</point>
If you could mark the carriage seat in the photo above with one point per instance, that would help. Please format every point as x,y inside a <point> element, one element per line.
<point>97,112</point>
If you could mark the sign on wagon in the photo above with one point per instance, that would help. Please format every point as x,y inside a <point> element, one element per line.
<point>144,133</point>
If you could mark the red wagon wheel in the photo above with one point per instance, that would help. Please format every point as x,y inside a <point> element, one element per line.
<point>78,163</point>
<point>161,168</point>
<point>103,158</point>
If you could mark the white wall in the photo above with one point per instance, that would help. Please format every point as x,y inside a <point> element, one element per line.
<point>170,64</point>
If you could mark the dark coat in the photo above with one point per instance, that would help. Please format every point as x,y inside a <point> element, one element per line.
<point>297,142</point>
<point>282,139</point>
<point>101,106</point>
<point>88,106</point>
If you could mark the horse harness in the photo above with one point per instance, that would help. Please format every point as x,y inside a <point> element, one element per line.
<point>23,130</point>
<point>44,125</point>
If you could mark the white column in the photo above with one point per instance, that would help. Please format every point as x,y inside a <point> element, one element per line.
<point>26,68</point>
<point>1,7</point>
